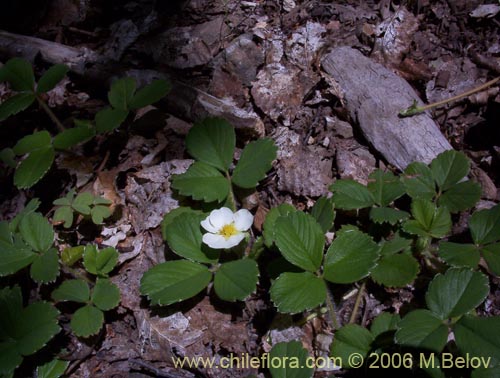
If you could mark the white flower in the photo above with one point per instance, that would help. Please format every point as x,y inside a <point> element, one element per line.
<point>225,228</point>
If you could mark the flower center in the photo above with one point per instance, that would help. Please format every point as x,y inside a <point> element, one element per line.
<point>228,230</point>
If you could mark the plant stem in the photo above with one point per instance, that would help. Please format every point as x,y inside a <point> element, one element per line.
<point>361,292</point>
<point>51,114</point>
<point>331,308</point>
<point>414,109</point>
<point>232,201</point>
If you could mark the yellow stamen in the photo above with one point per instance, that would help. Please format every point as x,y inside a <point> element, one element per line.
<point>228,230</point>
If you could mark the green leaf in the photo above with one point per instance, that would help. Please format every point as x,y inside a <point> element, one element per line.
<point>71,137</point>
<point>300,240</point>
<point>185,239</point>
<point>10,359</point>
<point>212,141</point>
<point>256,159</point>
<point>485,225</point>
<point>13,256</point>
<point>396,270</point>
<point>323,212</point>
<point>15,104</point>
<point>71,255</point>
<point>236,280</point>
<point>297,292</point>
<point>456,292</point>
<point>395,245</point>
<point>429,219</point>
<point>418,181</point>
<point>479,337</point>
<point>72,290</point>
<point>490,372</point>
<point>350,340</point>
<point>174,281</point>
<point>387,214</point>
<point>51,77</point>
<point>87,321</point>
<point>45,267</point>
<point>456,254</point>
<point>383,323</point>
<point>491,254</point>
<point>202,182</point>
<point>385,187</point>
<point>169,218</point>
<point>109,119</point>
<point>52,369</point>
<point>349,195</point>
<point>422,329</point>
<point>65,214</point>
<point>31,207</point>
<point>448,168</point>
<point>19,73</point>
<point>294,358</point>
<point>121,93</point>
<point>461,196</point>
<point>105,295</point>
<point>34,167</point>
<point>7,156</point>
<point>37,232</point>
<point>99,262</point>
<point>82,203</point>
<point>351,256</point>
<point>32,142</point>
<point>269,224</point>
<point>99,213</point>
<point>150,94</point>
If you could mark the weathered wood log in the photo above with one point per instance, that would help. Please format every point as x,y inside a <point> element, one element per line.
<point>374,96</point>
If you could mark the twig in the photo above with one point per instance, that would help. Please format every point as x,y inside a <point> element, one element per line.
<point>361,292</point>
<point>331,309</point>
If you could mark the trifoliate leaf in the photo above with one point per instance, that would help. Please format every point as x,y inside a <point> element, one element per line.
<point>51,77</point>
<point>99,213</point>
<point>418,181</point>
<point>87,321</point>
<point>254,162</point>
<point>99,262</point>
<point>52,369</point>
<point>71,255</point>
<point>150,94</point>
<point>202,182</point>
<point>456,292</point>
<point>19,73</point>
<point>82,203</point>
<point>459,255</point>
<point>422,329</point>
<point>387,214</point>
<point>76,290</point>
<point>349,340</point>
<point>45,267</point>
<point>300,240</point>
<point>109,119</point>
<point>323,212</point>
<point>34,167</point>
<point>485,225</point>
<point>461,196</point>
<point>350,257</point>
<point>32,142</point>
<point>71,137</point>
<point>174,281</point>
<point>294,358</point>
<point>121,92</point>
<point>395,245</point>
<point>383,323</point>
<point>269,224</point>
<point>13,256</point>
<point>429,219</point>
<point>185,239</point>
<point>385,187</point>
<point>37,232</point>
<point>448,168</point>
<point>491,254</point>
<point>105,295</point>
<point>395,270</point>
<point>212,141</point>
<point>297,292</point>
<point>236,280</point>
<point>349,194</point>
<point>16,104</point>
<point>64,214</point>
<point>169,218</point>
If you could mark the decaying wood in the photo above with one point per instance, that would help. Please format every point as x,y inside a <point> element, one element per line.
<point>374,96</point>
<point>184,101</point>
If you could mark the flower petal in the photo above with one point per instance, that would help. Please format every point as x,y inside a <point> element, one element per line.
<point>205,223</point>
<point>243,220</point>
<point>220,217</point>
<point>234,240</point>
<point>215,241</point>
